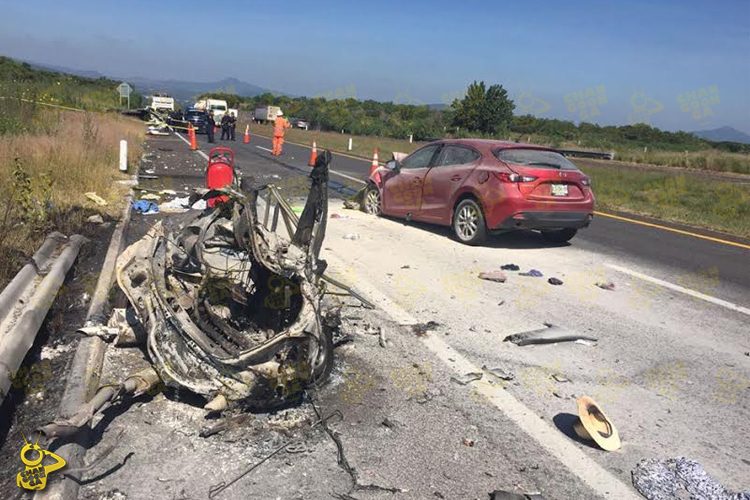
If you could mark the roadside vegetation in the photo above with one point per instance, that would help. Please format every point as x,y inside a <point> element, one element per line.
<point>46,166</point>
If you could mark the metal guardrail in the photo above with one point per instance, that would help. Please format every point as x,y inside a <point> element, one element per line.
<point>599,155</point>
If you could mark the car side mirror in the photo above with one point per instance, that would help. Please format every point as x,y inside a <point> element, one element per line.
<point>393,165</point>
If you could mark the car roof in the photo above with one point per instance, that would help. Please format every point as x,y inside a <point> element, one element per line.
<point>493,144</point>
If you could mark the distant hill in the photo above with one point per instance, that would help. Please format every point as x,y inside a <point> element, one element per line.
<point>183,91</point>
<point>724,134</point>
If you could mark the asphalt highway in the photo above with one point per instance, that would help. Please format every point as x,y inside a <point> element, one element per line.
<point>688,257</point>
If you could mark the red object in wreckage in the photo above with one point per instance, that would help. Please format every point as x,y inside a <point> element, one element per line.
<point>220,172</point>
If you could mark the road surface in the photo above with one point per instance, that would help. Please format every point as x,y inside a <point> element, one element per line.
<point>671,366</point>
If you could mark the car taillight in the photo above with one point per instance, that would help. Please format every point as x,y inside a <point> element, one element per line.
<point>586,181</point>
<point>507,177</point>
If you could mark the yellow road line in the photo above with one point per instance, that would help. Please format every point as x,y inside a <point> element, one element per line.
<point>673,230</point>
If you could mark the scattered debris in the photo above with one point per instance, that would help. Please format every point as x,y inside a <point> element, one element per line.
<point>497,276</point>
<point>507,495</point>
<point>585,342</point>
<point>560,378</point>
<point>168,192</point>
<point>605,285</point>
<point>534,273</point>
<point>468,378</point>
<point>550,334</point>
<point>406,266</point>
<point>499,373</point>
<point>95,198</point>
<point>95,219</point>
<point>390,424</point>
<point>104,332</point>
<point>145,207</point>
<point>421,329</point>
<point>469,442</point>
<point>501,302</point>
<point>150,196</point>
<point>594,425</point>
<point>509,267</point>
<point>554,281</point>
<point>679,478</point>
<point>381,338</point>
<point>351,236</point>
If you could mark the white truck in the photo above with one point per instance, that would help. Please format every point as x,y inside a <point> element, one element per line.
<point>161,102</point>
<point>218,107</point>
<point>266,113</point>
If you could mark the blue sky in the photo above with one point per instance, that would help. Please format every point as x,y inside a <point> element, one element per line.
<point>677,64</point>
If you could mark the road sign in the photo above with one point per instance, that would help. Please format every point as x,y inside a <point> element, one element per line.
<point>125,90</point>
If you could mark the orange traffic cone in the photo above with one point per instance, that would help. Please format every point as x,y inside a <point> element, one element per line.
<point>375,163</point>
<point>313,155</point>
<point>246,139</point>
<point>191,135</point>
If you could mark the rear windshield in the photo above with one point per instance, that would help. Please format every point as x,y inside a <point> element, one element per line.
<point>195,113</point>
<point>535,158</point>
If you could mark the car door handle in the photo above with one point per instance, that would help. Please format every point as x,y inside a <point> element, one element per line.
<point>456,178</point>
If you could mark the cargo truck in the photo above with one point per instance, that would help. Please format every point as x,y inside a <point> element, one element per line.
<point>266,113</point>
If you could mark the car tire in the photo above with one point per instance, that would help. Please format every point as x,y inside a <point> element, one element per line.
<point>468,223</point>
<point>559,235</point>
<point>372,202</point>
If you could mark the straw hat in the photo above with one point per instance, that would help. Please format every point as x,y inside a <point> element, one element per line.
<point>595,425</point>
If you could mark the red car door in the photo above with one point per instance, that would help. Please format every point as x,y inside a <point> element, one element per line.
<point>451,170</point>
<point>402,192</point>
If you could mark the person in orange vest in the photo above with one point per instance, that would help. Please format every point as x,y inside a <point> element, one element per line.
<point>279,128</point>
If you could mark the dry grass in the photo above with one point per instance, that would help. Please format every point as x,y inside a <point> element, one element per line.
<point>44,175</point>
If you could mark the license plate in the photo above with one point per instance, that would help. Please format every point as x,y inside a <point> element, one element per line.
<point>559,190</point>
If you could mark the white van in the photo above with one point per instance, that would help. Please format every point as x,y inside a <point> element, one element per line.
<point>217,107</point>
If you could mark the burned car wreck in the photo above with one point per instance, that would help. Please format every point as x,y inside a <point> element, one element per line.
<point>229,304</point>
<point>231,308</point>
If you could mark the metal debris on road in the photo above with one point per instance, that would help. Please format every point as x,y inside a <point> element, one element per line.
<point>351,236</point>
<point>554,281</point>
<point>468,442</point>
<point>679,478</point>
<point>560,378</point>
<point>509,267</point>
<point>496,276</point>
<point>499,373</point>
<point>550,334</point>
<point>534,273</point>
<point>226,424</point>
<point>605,285</point>
<point>508,495</point>
<point>468,378</point>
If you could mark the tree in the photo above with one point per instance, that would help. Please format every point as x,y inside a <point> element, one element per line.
<point>487,110</point>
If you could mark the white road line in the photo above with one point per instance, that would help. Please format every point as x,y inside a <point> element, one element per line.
<point>264,149</point>
<point>204,155</point>
<point>678,288</point>
<point>331,171</point>
<point>548,437</point>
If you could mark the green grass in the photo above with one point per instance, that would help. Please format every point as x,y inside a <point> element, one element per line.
<point>692,200</point>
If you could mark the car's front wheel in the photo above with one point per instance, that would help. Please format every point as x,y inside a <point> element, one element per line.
<point>372,201</point>
<point>468,223</point>
<point>559,235</point>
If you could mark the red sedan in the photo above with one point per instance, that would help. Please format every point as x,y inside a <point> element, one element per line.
<point>478,186</point>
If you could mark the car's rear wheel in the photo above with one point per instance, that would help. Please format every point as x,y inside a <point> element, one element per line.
<point>468,223</point>
<point>559,235</point>
<point>372,202</point>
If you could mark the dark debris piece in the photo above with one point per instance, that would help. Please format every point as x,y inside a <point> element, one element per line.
<point>534,273</point>
<point>509,267</point>
<point>554,281</point>
<point>421,329</point>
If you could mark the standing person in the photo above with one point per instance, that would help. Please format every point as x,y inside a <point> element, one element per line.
<point>232,126</point>
<point>279,128</point>
<point>225,126</point>
<point>210,124</point>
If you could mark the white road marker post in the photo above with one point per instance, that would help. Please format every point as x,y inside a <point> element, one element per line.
<point>349,148</point>
<point>411,138</point>
<point>123,155</point>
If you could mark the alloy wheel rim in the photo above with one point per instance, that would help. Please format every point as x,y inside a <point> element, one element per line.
<point>467,222</point>
<point>372,203</point>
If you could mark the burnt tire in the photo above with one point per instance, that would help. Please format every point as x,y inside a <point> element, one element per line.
<point>371,201</point>
<point>559,235</point>
<point>468,223</point>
